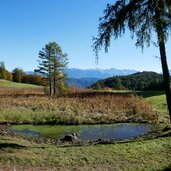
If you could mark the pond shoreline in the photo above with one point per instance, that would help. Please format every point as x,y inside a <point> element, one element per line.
<point>73,123</point>
<point>163,131</point>
<point>154,132</point>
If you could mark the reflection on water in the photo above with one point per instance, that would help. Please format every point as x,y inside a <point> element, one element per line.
<point>86,132</point>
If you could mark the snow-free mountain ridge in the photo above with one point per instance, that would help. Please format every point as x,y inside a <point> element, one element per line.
<point>86,77</point>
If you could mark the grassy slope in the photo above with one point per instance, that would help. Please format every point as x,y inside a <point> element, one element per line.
<point>142,155</point>
<point>9,84</point>
<point>156,98</point>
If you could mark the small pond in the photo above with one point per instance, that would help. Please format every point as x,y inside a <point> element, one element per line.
<point>86,132</point>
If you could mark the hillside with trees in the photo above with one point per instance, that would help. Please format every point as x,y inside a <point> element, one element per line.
<point>19,76</point>
<point>138,81</point>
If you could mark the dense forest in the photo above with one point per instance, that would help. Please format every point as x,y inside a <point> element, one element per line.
<point>138,81</point>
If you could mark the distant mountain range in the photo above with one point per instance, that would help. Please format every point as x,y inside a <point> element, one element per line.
<point>97,73</point>
<point>86,77</point>
<point>82,82</point>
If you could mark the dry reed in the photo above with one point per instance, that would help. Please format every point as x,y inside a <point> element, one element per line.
<point>81,107</point>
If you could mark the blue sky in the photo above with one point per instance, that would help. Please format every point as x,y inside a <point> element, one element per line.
<point>27,25</point>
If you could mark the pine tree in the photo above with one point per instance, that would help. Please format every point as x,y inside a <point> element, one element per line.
<point>52,62</point>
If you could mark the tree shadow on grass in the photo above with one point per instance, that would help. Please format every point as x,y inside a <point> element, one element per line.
<point>11,145</point>
<point>167,168</point>
<point>146,94</point>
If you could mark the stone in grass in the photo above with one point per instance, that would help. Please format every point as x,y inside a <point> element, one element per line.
<point>70,138</point>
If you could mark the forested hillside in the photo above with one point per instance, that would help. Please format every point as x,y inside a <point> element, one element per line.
<point>138,81</point>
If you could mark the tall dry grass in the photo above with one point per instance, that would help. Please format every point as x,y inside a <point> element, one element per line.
<point>78,107</point>
<point>4,92</point>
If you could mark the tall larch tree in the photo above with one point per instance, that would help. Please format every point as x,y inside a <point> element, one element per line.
<point>142,18</point>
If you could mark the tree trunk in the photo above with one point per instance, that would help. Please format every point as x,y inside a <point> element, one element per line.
<point>169,5</point>
<point>50,77</point>
<point>161,42</point>
<point>165,75</point>
<point>50,85</point>
<point>54,86</point>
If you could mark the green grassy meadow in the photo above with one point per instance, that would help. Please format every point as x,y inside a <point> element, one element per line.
<point>23,155</point>
<point>156,98</point>
<point>10,84</point>
<point>22,104</point>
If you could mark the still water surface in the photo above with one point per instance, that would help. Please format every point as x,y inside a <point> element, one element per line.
<point>86,132</point>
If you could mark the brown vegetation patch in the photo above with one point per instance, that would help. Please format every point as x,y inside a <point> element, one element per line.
<point>82,107</point>
<point>13,92</point>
